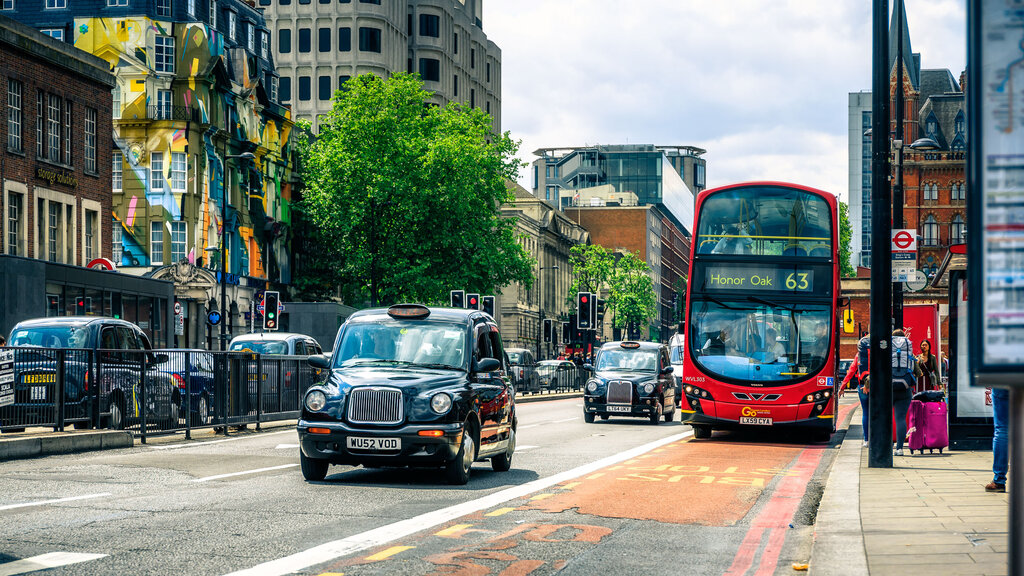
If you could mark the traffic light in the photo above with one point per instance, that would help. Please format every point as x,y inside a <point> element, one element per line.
<point>473,301</point>
<point>565,333</point>
<point>488,305</point>
<point>593,311</point>
<point>584,312</point>
<point>271,302</point>
<point>547,330</point>
<point>600,309</point>
<point>458,298</point>
<point>80,306</point>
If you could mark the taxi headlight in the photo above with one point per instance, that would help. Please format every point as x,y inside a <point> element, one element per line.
<point>315,400</point>
<point>648,388</point>
<point>441,403</point>
<point>592,386</point>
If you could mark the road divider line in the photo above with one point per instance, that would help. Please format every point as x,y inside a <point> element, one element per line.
<point>54,501</point>
<point>330,551</point>
<point>244,472</point>
<point>521,427</point>
<point>200,444</point>
<point>45,562</point>
<point>285,446</point>
<point>527,447</point>
<point>565,420</point>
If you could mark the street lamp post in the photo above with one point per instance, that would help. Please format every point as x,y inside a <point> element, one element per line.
<point>225,310</point>
<point>540,305</point>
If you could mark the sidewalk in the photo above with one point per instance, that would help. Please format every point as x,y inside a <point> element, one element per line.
<point>928,514</point>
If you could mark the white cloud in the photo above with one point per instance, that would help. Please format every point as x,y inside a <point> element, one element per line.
<point>761,85</point>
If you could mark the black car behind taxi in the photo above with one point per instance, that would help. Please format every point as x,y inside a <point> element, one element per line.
<point>411,386</point>
<point>630,379</point>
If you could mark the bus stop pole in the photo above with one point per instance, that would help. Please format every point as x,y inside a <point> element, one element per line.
<point>1016,542</point>
<point>880,395</point>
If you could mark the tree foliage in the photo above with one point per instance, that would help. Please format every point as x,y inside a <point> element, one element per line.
<point>405,197</point>
<point>591,269</point>
<point>846,269</point>
<point>631,292</point>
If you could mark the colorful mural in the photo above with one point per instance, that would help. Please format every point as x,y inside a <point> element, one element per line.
<point>175,120</point>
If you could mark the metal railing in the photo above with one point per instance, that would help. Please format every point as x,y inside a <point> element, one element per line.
<point>152,392</point>
<point>165,112</point>
<point>539,379</point>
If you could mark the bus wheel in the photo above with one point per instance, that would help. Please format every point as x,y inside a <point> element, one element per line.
<point>821,437</point>
<point>702,432</point>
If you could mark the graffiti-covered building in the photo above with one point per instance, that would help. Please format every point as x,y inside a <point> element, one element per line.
<point>202,160</point>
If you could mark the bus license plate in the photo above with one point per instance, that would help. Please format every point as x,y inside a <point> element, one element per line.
<point>755,421</point>
<point>620,408</point>
<point>374,444</point>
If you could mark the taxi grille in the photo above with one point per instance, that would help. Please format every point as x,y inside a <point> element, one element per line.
<point>620,392</point>
<point>375,406</point>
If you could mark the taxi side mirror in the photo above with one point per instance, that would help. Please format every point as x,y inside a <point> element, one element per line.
<point>666,369</point>
<point>487,365</point>
<point>319,361</point>
<point>588,367</point>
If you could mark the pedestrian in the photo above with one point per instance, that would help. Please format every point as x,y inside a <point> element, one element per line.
<point>945,364</point>
<point>862,361</point>
<point>1000,449</point>
<point>905,373</point>
<point>853,375</point>
<point>929,366</point>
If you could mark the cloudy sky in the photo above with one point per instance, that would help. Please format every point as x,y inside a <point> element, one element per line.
<point>762,85</point>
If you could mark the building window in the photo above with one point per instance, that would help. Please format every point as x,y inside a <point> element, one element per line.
<point>90,140</point>
<point>117,247</point>
<point>304,88</point>
<point>286,89</point>
<point>14,115</point>
<point>344,39</point>
<point>341,81</point>
<point>55,33</point>
<point>163,54</point>
<point>67,132</point>
<point>116,170</point>
<point>179,168</point>
<point>7,5</point>
<point>232,24</point>
<point>472,97</point>
<point>250,36</point>
<point>957,230</point>
<point>304,40</point>
<point>190,8</point>
<point>163,7</point>
<point>213,13</point>
<point>156,171</point>
<point>40,125</point>
<point>54,228</point>
<point>455,43</point>
<point>90,235</point>
<point>53,126</point>
<point>472,57</point>
<point>930,231</point>
<point>264,44</point>
<point>430,25</point>
<point>163,104</point>
<point>116,112</point>
<point>455,85</point>
<point>15,209</point>
<point>959,191</point>
<point>284,41</point>
<point>369,40</point>
<point>959,123</point>
<point>430,69</point>
<point>488,72</point>
<point>323,87</point>
<point>323,39</point>
<point>56,4</point>
<point>177,241</point>
<point>931,191</point>
<point>156,243</point>
<point>377,2</point>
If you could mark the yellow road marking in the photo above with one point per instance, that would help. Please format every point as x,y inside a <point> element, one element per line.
<point>542,496</point>
<point>570,485</point>
<point>452,530</point>
<point>595,476</point>
<point>385,554</point>
<point>499,512</point>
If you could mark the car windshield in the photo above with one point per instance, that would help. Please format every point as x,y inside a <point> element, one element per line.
<point>260,346</point>
<point>436,344</point>
<point>758,342</point>
<point>635,360</point>
<point>515,357</point>
<point>677,354</point>
<point>51,336</point>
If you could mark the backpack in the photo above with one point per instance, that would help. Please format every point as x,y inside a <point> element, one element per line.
<point>903,363</point>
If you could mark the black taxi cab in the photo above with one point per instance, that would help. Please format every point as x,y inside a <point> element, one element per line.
<point>630,379</point>
<point>415,386</point>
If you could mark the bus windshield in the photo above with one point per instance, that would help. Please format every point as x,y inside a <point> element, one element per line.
<point>765,221</point>
<point>757,341</point>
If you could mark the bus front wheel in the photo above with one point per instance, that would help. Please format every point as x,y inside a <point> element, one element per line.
<point>702,432</point>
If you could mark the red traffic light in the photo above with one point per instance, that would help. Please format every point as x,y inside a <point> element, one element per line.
<point>472,301</point>
<point>583,299</point>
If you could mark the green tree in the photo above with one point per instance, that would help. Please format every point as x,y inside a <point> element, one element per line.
<point>846,270</point>
<point>631,292</point>
<point>405,197</point>
<point>591,268</point>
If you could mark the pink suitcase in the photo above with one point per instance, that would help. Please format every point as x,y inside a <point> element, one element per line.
<point>928,426</point>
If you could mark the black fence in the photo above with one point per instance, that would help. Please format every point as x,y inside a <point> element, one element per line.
<point>149,392</point>
<point>548,378</point>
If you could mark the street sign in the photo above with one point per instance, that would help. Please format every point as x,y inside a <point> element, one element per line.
<point>904,240</point>
<point>6,377</point>
<point>177,307</point>
<point>179,324</point>
<point>917,283</point>
<point>213,317</point>
<point>904,254</point>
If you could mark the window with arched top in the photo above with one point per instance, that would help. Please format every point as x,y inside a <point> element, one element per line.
<point>959,123</point>
<point>959,144</point>
<point>931,126</point>
<point>958,191</point>
<point>930,231</point>
<point>957,230</point>
<point>930,191</point>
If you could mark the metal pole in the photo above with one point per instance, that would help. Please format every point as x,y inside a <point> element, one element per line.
<point>1016,541</point>
<point>897,193</point>
<point>224,251</point>
<point>880,397</point>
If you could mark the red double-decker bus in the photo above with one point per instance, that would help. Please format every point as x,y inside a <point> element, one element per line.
<point>761,344</point>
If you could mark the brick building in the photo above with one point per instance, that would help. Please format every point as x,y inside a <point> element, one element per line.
<point>55,169</point>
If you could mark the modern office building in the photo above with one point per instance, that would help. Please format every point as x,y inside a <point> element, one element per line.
<point>195,90</point>
<point>320,45</point>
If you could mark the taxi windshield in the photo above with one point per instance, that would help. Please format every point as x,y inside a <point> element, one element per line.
<point>636,360</point>
<point>51,336</point>
<point>515,357</point>
<point>260,346</point>
<point>433,344</point>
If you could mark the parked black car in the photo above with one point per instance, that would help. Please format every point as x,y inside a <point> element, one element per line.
<point>411,386</point>
<point>630,379</point>
<point>119,351</point>
<point>200,372</point>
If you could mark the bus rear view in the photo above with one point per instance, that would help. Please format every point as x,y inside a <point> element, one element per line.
<point>760,342</point>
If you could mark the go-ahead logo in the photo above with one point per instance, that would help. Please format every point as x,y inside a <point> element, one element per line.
<point>748,411</point>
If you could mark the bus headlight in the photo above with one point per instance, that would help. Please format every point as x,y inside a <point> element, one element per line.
<point>441,403</point>
<point>648,388</point>
<point>315,400</point>
<point>592,386</point>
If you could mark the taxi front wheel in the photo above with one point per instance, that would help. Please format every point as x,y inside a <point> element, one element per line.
<point>588,417</point>
<point>457,469</point>
<point>313,470</point>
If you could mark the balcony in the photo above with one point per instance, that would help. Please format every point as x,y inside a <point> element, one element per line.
<point>182,113</point>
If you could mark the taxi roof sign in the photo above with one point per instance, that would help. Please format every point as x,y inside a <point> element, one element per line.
<point>410,311</point>
<point>630,345</point>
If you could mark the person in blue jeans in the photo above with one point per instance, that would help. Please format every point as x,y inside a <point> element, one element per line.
<point>905,373</point>
<point>1000,449</point>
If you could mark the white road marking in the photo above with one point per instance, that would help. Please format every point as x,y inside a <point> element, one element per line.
<point>527,426</point>
<point>391,532</point>
<point>565,420</point>
<point>54,501</point>
<point>195,444</point>
<point>45,561</point>
<point>285,446</point>
<point>244,472</point>
<point>520,448</point>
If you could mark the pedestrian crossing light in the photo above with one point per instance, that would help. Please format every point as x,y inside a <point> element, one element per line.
<point>488,305</point>
<point>271,302</point>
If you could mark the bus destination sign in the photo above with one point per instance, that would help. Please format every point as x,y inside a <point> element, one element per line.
<point>755,278</point>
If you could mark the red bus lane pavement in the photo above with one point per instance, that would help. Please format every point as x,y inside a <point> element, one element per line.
<point>723,507</point>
